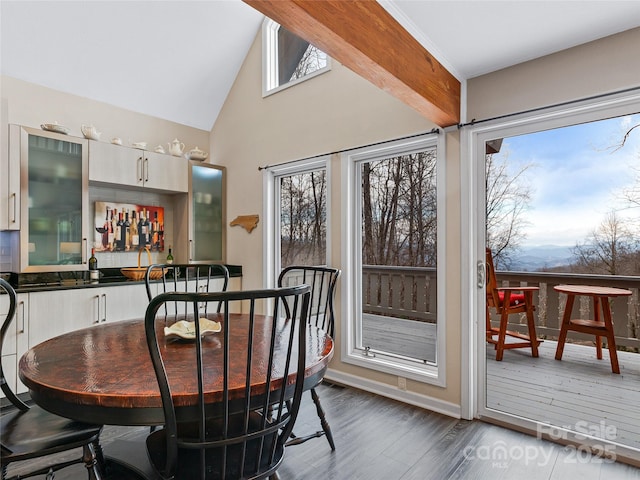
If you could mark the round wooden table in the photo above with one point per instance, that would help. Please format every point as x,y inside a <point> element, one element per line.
<point>600,325</point>
<point>103,374</point>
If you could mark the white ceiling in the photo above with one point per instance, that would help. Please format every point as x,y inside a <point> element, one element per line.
<point>177,60</point>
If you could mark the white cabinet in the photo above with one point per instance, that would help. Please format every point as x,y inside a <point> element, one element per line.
<point>53,313</point>
<point>52,201</point>
<point>10,178</point>
<point>16,342</point>
<point>125,166</point>
<point>125,302</point>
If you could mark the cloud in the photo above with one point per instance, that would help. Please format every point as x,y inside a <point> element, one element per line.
<point>575,177</point>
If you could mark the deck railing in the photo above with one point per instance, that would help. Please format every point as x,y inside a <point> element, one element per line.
<point>410,293</point>
<point>400,292</point>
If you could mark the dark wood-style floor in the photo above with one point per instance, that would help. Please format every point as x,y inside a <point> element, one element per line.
<point>382,439</point>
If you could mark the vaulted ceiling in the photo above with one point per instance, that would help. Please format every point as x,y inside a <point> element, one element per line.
<point>177,60</point>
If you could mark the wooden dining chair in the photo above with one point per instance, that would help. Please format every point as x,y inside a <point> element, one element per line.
<point>241,433</point>
<point>187,277</point>
<point>509,301</point>
<point>29,432</point>
<point>323,282</point>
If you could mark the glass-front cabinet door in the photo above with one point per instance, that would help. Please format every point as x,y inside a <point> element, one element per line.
<point>55,198</point>
<point>206,213</point>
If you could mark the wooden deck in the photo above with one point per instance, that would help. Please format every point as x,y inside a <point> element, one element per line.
<point>579,390</point>
<point>409,338</point>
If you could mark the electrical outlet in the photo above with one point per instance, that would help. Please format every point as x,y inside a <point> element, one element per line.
<point>402,383</point>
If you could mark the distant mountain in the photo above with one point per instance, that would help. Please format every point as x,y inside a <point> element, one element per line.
<point>534,258</point>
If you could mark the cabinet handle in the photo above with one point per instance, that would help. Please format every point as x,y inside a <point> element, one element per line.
<point>140,168</point>
<point>190,250</point>
<point>146,170</point>
<point>21,308</point>
<point>97,320</point>
<point>85,254</point>
<point>104,318</point>
<point>14,199</point>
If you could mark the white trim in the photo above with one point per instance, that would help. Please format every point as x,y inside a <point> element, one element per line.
<point>390,391</point>
<point>351,298</point>
<point>472,242</point>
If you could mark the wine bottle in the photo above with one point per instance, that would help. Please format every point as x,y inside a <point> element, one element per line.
<point>135,237</point>
<point>120,233</point>
<point>94,273</point>
<point>170,257</point>
<point>149,230</point>
<point>105,228</point>
<point>156,237</point>
<point>114,235</point>
<point>145,228</point>
<point>127,231</point>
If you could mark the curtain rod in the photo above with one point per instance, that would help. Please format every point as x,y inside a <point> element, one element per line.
<point>538,109</point>
<point>433,131</point>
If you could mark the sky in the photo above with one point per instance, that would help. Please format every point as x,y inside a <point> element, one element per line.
<point>575,177</point>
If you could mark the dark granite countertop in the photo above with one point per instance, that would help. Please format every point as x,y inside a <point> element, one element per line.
<point>42,282</point>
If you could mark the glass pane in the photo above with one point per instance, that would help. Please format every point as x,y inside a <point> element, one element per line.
<point>562,208</point>
<point>398,229</point>
<point>55,201</point>
<point>303,219</point>
<point>207,213</point>
<point>297,58</point>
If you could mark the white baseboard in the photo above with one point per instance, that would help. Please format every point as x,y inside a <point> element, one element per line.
<point>390,391</point>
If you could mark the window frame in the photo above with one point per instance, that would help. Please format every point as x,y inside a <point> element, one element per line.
<point>271,210</point>
<point>352,262</point>
<point>270,61</point>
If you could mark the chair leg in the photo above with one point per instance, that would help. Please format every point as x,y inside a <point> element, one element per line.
<point>502,335</point>
<point>531,325</point>
<point>326,430</point>
<point>323,420</point>
<point>102,464</point>
<point>89,457</point>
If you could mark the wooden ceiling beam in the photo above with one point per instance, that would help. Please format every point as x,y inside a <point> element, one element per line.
<point>364,37</point>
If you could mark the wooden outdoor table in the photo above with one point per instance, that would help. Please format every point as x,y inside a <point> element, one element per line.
<point>103,374</point>
<point>600,326</point>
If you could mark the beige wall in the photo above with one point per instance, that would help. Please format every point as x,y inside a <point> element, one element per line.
<point>606,65</point>
<point>31,105</point>
<point>334,111</point>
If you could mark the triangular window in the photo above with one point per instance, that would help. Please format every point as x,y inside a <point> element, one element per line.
<point>288,59</point>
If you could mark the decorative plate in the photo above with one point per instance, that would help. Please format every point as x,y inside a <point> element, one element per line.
<point>187,330</point>
<point>54,127</point>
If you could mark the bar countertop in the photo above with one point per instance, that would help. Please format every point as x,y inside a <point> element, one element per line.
<point>43,282</point>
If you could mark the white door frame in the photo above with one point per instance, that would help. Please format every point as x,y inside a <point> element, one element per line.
<point>473,138</point>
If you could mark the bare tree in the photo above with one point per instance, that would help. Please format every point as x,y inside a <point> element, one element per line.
<point>399,210</point>
<point>507,198</point>
<point>608,250</point>
<point>303,213</point>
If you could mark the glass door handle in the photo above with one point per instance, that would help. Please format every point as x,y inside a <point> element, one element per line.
<point>481,274</point>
